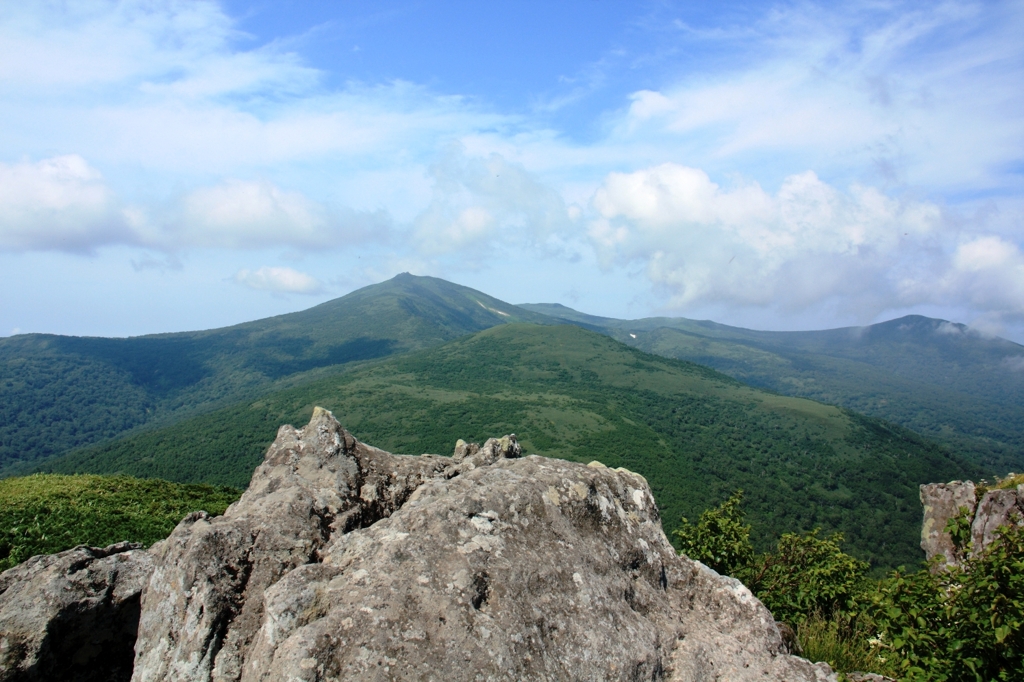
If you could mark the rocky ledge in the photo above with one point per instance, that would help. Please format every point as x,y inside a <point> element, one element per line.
<point>342,561</point>
<point>986,512</point>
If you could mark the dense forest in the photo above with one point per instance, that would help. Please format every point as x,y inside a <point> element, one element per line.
<point>58,393</point>
<point>695,434</point>
<point>937,378</point>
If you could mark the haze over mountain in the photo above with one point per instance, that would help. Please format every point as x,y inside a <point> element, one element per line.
<point>938,378</point>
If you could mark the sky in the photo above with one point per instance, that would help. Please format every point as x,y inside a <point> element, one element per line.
<point>169,166</point>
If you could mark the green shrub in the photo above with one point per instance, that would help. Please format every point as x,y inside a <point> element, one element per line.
<point>962,623</point>
<point>719,539</point>
<point>806,575</point>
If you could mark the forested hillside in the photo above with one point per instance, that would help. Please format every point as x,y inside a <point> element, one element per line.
<point>934,377</point>
<point>697,435</point>
<point>63,392</point>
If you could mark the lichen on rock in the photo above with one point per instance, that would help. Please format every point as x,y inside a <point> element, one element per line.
<point>342,561</point>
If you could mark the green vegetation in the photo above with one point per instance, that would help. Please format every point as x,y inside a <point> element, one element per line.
<point>59,392</point>
<point>936,378</point>
<point>963,622</point>
<point>694,433</point>
<point>804,576</point>
<point>48,513</point>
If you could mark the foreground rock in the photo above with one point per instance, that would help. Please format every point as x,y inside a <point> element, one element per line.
<point>943,501</point>
<point>342,561</point>
<point>72,615</point>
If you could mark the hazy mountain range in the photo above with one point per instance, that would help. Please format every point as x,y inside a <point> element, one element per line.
<point>415,362</point>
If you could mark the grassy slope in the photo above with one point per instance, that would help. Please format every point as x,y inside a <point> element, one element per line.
<point>694,433</point>
<point>928,375</point>
<point>42,514</point>
<point>61,392</point>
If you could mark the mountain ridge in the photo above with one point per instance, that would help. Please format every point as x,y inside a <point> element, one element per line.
<point>694,433</point>
<point>935,377</point>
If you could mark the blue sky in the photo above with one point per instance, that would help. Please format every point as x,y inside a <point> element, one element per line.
<point>184,165</point>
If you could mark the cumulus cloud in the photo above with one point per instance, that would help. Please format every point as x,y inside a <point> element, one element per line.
<point>988,272</point>
<point>64,204</point>
<point>59,204</point>
<point>239,214</point>
<point>480,200</point>
<point>745,246</point>
<point>279,280</point>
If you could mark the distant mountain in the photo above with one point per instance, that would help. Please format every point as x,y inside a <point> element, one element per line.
<point>63,392</point>
<point>696,435</point>
<point>938,378</point>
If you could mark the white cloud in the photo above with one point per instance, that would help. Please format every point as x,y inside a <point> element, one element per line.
<point>64,204</point>
<point>58,204</point>
<point>239,214</point>
<point>744,246</point>
<point>279,280</point>
<point>988,272</point>
<point>480,200</point>
<point>928,96</point>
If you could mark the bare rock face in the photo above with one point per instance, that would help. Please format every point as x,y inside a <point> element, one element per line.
<point>942,501</point>
<point>997,508</point>
<point>72,615</point>
<point>342,561</point>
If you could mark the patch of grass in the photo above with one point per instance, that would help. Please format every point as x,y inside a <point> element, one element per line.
<point>47,513</point>
<point>843,647</point>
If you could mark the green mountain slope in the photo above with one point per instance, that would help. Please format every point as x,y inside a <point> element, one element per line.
<point>43,514</point>
<point>935,377</point>
<point>61,392</point>
<point>694,433</point>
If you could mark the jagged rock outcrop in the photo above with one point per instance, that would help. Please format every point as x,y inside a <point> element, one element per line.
<point>943,501</point>
<point>342,561</point>
<point>72,615</point>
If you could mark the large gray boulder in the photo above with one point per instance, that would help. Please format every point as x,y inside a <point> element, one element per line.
<point>72,615</point>
<point>342,561</point>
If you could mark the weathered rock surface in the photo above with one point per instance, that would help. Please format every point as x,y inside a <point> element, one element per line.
<point>342,561</point>
<point>942,501</point>
<point>996,508</point>
<point>72,615</point>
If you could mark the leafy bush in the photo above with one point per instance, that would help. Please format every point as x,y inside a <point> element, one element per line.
<point>958,622</point>
<point>806,575</point>
<point>962,623</point>
<point>719,539</point>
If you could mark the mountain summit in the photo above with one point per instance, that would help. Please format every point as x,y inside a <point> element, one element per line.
<point>87,389</point>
